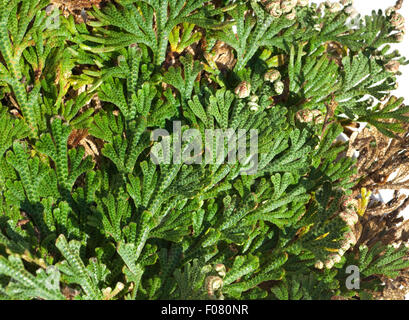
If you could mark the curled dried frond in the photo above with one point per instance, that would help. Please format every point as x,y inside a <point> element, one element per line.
<point>221,57</point>
<point>383,163</point>
<point>394,289</point>
<point>382,222</point>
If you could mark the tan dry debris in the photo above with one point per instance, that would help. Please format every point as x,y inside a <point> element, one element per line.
<point>74,7</point>
<point>222,56</point>
<point>80,137</point>
<point>383,163</point>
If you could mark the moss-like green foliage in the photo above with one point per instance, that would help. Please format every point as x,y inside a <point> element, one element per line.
<point>85,210</point>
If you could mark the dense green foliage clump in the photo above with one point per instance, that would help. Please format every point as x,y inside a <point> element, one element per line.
<point>85,213</point>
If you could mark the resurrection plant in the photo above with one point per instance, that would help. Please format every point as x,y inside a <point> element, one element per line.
<point>89,209</point>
